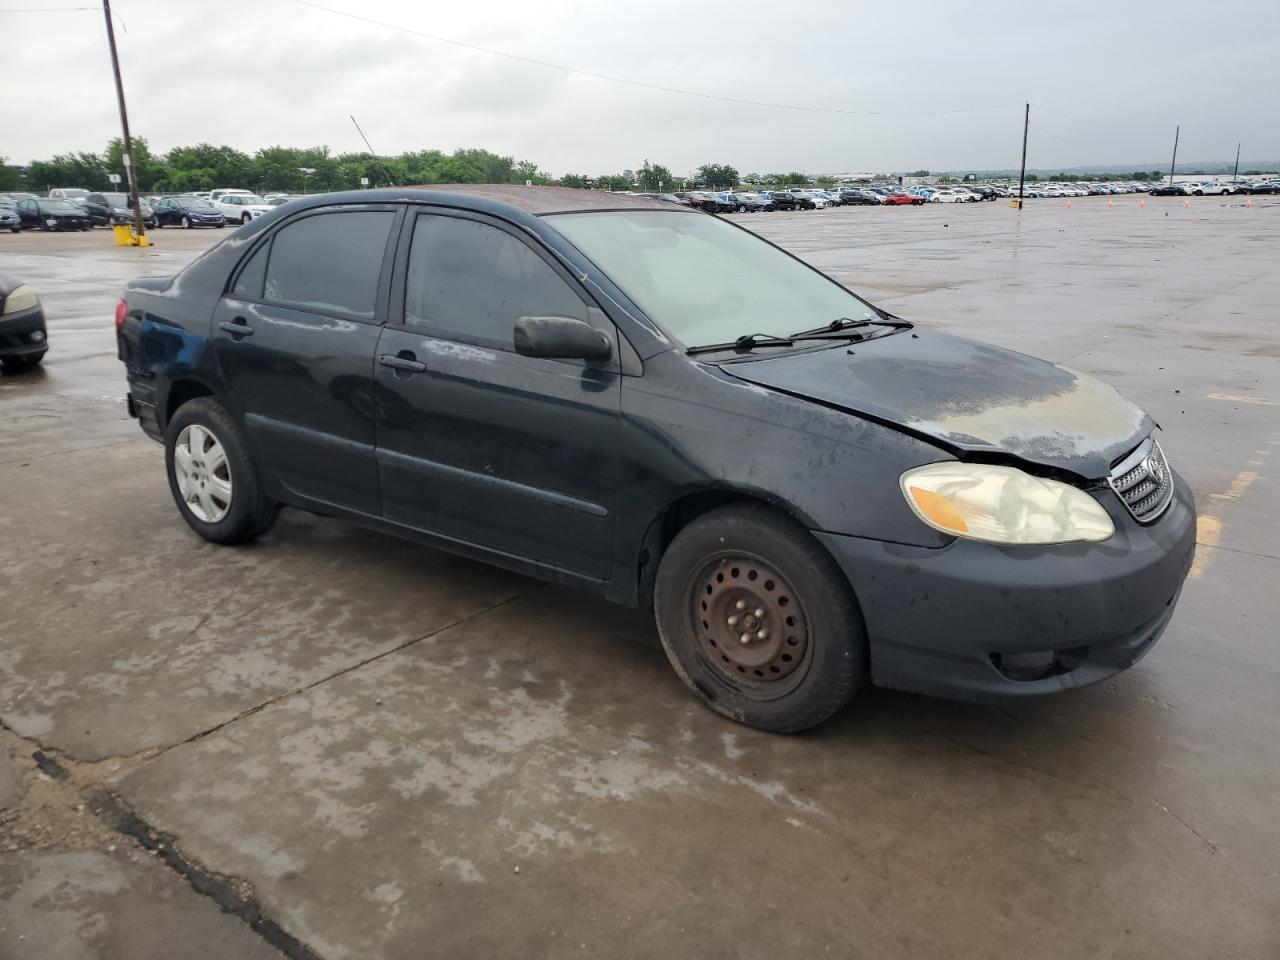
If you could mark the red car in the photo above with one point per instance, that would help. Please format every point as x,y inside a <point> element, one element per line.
<point>904,198</point>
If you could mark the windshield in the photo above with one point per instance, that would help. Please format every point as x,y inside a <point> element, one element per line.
<point>704,280</point>
<point>244,199</point>
<point>195,203</point>
<point>59,206</point>
<point>74,192</point>
<point>116,199</point>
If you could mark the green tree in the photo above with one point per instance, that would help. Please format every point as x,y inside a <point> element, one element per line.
<point>148,169</point>
<point>918,173</point>
<point>717,176</point>
<point>615,181</point>
<point>205,166</point>
<point>10,177</point>
<point>576,180</point>
<point>825,182</point>
<point>652,178</point>
<point>85,170</point>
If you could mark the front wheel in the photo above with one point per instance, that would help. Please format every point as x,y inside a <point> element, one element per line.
<point>244,219</point>
<point>758,621</point>
<point>186,222</point>
<point>212,475</point>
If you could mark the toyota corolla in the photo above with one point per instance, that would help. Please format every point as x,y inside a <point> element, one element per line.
<point>810,493</point>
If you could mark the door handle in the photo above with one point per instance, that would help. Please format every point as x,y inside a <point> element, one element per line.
<point>400,362</point>
<point>240,329</point>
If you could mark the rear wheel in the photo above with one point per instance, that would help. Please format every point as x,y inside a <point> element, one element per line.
<point>212,476</point>
<point>758,621</point>
<point>244,219</point>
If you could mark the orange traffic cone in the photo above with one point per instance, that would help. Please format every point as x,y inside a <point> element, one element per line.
<point>1142,202</point>
<point>1186,204</point>
<point>1068,203</point>
<point>1109,203</point>
<point>1249,202</point>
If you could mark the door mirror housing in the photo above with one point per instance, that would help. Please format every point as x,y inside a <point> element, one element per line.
<point>560,338</point>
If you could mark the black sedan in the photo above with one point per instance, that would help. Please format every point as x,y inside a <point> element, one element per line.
<point>23,339</point>
<point>42,213</point>
<point>9,219</point>
<point>1270,187</point>
<point>111,209</point>
<point>790,201</point>
<point>623,395</point>
<point>1167,190</point>
<point>188,212</point>
<point>859,198</point>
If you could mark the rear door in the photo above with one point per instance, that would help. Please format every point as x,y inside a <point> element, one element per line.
<point>295,336</point>
<point>475,442</point>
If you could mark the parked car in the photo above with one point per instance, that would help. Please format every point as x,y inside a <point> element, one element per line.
<point>1214,188</point>
<point>716,453</point>
<point>13,196</point>
<point>241,207</point>
<point>23,338</point>
<point>946,196</point>
<point>901,199</point>
<point>68,193</point>
<point>1167,190</point>
<point>114,208</point>
<point>785,200</point>
<point>42,213</point>
<point>277,200</point>
<point>859,198</point>
<point>188,212</point>
<point>1271,186</point>
<point>9,219</point>
<point>215,195</point>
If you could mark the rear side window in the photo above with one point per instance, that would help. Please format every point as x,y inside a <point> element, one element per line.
<point>249,284</point>
<point>476,280</point>
<point>329,262</point>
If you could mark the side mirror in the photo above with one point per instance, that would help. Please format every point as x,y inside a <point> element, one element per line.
<point>560,338</point>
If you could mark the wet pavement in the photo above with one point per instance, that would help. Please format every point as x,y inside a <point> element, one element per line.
<point>389,752</point>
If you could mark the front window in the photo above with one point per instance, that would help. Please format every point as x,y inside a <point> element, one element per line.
<point>704,280</point>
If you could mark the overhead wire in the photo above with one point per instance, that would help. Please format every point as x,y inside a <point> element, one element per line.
<point>361,18</point>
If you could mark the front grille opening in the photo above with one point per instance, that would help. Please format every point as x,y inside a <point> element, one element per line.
<point>1143,481</point>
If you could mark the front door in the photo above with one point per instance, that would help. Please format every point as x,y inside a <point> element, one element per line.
<point>295,339</point>
<point>475,442</point>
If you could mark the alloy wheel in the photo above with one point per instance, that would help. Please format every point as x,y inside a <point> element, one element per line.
<point>204,476</point>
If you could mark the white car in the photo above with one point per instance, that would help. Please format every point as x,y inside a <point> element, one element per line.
<point>946,196</point>
<point>1213,187</point>
<point>221,192</point>
<point>241,207</point>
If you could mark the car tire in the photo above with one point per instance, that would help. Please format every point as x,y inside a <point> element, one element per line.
<point>227,504</point>
<point>807,656</point>
<point>186,222</point>
<point>244,220</point>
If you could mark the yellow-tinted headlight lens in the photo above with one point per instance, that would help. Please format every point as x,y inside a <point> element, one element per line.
<point>1003,505</point>
<point>22,298</point>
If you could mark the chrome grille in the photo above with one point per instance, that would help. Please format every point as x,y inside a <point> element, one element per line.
<point>1143,481</point>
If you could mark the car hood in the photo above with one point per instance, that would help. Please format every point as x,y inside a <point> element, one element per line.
<point>971,397</point>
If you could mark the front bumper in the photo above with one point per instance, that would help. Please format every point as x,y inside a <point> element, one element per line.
<point>23,334</point>
<point>978,621</point>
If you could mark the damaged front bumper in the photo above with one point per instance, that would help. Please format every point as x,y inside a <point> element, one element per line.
<point>981,621</point>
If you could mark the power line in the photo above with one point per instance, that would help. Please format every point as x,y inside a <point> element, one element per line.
<point>627,80</point>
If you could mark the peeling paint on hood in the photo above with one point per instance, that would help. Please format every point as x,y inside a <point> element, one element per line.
<point>971,396</point>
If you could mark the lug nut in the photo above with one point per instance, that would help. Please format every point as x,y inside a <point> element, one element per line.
<point>733,621</point>
<point>759,614</point>
<point>741,605</point>
<point>762,635</point>
<point>745,638</point>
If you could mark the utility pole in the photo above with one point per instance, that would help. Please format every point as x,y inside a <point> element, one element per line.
<point>1235,174</point>
<point>134,202</point>
<point>1022,177</point>
<point>1174,162</point>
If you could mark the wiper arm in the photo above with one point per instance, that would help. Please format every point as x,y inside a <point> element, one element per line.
<point>745,342</point>
<point>835,329</point>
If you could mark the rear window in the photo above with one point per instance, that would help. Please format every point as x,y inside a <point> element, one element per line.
<point>329,262</point>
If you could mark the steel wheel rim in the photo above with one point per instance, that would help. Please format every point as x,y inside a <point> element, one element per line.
<point>753,593</point>
<point>202,473</point>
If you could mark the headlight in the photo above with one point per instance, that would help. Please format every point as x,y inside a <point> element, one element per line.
<point>22,298</point>
<point>1003,505</point>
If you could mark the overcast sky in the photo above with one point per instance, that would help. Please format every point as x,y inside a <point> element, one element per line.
<point>1107,83</point>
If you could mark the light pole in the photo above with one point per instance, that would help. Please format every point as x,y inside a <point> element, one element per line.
<point>134,202</point>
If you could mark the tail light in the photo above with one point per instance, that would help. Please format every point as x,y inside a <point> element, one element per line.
<point>122,310</point>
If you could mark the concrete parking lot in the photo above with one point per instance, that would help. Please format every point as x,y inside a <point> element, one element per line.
<point>334,744</point>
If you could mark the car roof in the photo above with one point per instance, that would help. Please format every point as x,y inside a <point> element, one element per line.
<point>483,196</point>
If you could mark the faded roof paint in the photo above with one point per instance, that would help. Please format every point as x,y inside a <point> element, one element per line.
<point>544,200</point>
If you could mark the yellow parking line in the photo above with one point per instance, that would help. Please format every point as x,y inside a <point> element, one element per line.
<point>1263,401</point>
<point>1238,486</point>
<point>1208,533</point>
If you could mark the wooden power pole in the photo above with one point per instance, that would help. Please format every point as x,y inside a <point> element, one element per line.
<point>134,202</point>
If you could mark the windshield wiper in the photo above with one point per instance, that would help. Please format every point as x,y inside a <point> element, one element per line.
<point>835,329</point>
<point>746,342</point>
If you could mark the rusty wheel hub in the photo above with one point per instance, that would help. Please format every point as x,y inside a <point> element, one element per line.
<point>751,624</point>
